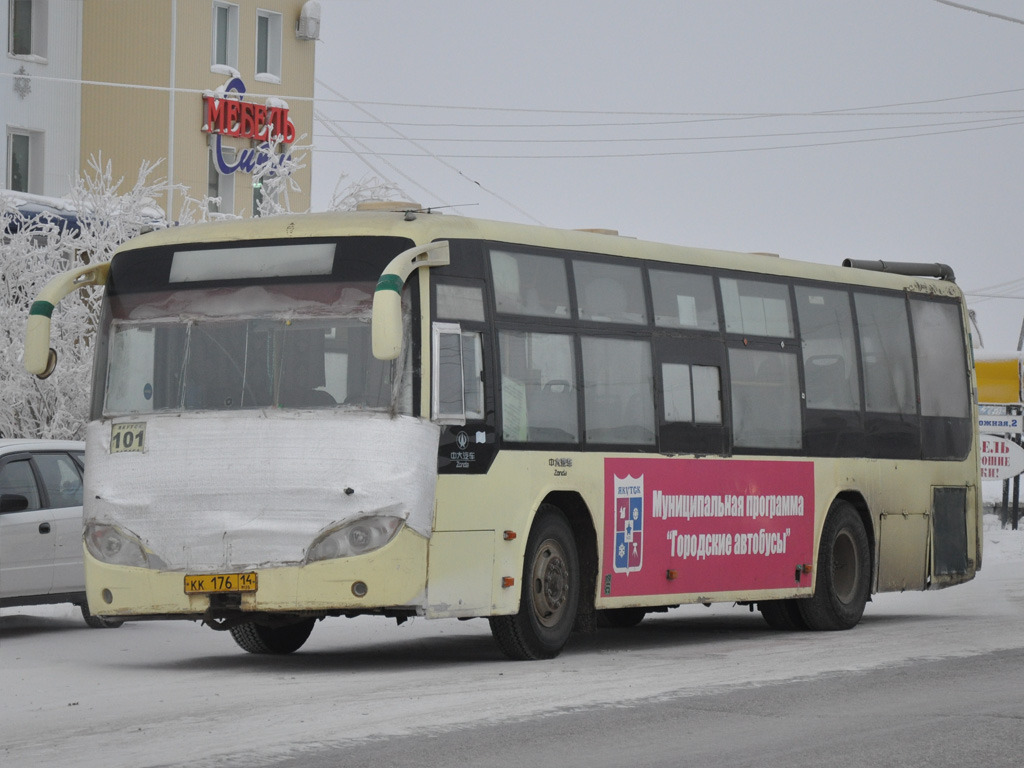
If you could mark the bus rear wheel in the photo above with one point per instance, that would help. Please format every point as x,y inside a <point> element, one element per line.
<point>783,615</point>
<point>843,580</point>
<point>259,638</point>
<point>550,593</point>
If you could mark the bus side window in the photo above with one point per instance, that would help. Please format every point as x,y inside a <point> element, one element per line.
<point>693,393</point>
<point>765,399</point>
<point>529,284</point>
<point>618,391</point>
<point>756,308</point>
<point>942,370</point>
<point>538,387</point>
<point>683,300</point>
<point>460,302</point>
<point>473,375</point>
<point>941,365</point>
<point>612,293</point>
<point>458,386</point>
<point>829,349</point>
<point>885,354</point>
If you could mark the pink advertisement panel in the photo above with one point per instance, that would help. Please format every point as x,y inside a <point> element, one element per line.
<point>706,525</point>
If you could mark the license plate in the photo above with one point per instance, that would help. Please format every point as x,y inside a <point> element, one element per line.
<point>220,582</point>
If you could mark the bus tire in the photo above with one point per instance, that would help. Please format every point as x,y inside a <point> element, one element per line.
<point>620,618</point>
<point>843,580</point>
<point>259,638</point>
<point>550,593</point>
<point>783,615</point>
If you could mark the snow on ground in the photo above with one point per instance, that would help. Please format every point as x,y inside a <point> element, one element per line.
<point>176,693</point>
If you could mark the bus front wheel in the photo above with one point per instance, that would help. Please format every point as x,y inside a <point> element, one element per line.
<point>549,596</point>
<point>843,580</point>
<point>258,638</point>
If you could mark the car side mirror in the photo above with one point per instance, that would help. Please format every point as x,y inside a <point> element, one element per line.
<point>13,502</point>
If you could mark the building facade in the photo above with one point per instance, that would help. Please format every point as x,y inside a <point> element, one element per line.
<point>40,95</point>
<point>179,81</point>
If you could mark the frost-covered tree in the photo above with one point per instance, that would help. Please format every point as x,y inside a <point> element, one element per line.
<point>34,249</point>
<point>275,173</point>
<point>366,189</point>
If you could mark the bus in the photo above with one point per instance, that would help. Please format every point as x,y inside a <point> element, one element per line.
<point>402,413</point>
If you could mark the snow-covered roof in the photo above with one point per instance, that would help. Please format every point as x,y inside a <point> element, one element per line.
<point>61,210</point>
<point>58,209</point>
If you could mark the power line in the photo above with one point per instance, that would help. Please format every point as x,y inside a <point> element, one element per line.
<point>725,115</point>
<point>978,10</point>
<point>995,295</point>
<point>1008,283</point>
<point>649,139</point>
<point>839,112</point>
<point>434,156</point>
<point>647,123</point>
<point>360,155</point>
<point>677,153</point>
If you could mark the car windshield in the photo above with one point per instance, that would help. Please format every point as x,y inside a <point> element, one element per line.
<point>290,348</point>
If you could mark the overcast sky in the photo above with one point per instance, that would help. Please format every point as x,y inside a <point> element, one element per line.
<point>815,129</point>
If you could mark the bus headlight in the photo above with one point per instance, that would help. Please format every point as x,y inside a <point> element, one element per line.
<point>111,544</point>
<point>355,537</point>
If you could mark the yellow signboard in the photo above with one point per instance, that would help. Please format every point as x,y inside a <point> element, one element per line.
<point>1000,379</point>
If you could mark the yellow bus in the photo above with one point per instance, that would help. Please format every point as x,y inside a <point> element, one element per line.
<point>402,413</point>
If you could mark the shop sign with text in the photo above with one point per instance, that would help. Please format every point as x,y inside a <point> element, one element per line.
<point>232,116</point>
<point>1001,459</point>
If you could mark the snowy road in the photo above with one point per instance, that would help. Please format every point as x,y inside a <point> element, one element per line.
<point>179,694</point>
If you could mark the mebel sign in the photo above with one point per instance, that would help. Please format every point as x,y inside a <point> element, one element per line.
<point>245,119</point>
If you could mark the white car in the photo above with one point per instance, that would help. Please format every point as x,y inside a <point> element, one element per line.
<point>41,524</point>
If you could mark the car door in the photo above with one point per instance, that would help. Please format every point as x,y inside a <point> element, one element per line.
<point>62,489</point>
<point>27,540</point>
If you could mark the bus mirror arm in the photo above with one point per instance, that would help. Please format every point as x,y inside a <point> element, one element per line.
<point>386,330</point>
<point>40,359</point>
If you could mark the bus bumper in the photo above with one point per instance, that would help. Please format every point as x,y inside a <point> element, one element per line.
<point>393,577</point>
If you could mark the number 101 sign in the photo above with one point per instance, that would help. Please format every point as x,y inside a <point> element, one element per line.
<point>127,437</point>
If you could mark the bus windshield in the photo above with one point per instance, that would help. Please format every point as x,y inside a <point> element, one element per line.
<point>295,346</point>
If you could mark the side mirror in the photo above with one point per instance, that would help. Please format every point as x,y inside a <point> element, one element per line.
<point>40,359</point>
<point>386,330</point>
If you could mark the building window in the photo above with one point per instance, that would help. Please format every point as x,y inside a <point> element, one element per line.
<point>220,185</point>
<point>27,28</point>
<point>24,161</point>
<point>224,50</point>
<point>268,46</point>
<point>257,198</point>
